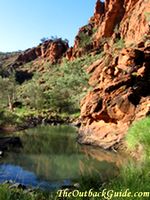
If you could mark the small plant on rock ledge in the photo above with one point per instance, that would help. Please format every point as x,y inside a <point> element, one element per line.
<point>120,44</point>
<point>147,15</point>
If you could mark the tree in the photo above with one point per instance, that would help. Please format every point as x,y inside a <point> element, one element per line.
<point>32,94</point>
<point>44,39</point>
<point>7,91</point>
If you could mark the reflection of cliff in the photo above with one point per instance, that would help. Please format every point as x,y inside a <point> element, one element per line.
<point>105,156</point>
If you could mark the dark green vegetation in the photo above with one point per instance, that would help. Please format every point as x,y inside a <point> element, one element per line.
<point>85,38</point>
<point>12,194</point>
<point>8,91</point>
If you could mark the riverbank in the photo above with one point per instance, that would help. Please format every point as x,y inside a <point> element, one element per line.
<point>21,119</point>
<point>9,193</point>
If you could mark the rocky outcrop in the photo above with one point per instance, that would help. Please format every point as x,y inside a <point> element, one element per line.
<point>128,17</point>
<point>98,14</point>
<point>84,40</point>
<point>135,25</point>
<point>51,50</point>
<point>121,78</point>
<point>114,12</point>
<point>120,96</point>
<point>128,20</point>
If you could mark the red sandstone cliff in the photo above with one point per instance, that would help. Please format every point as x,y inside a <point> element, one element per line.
<point>129,16</point>
<point>51,50</point>
<point>121,78</point>
<point>125,19</point>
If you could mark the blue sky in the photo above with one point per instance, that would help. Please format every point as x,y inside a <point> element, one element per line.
<point>24,22</point>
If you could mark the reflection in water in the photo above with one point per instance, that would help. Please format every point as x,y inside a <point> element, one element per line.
<point>102,155</point>
<point>50,158</point>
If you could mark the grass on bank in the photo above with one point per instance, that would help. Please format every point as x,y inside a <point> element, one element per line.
<point>139,133</point>
<point>136,175</point>
<point>19,194</point>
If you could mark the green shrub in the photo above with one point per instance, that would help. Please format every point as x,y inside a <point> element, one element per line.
<point>7,91</point>
<point>120,44</point>
<point>85,40</point>
<point>66,86</point>
<point>147,15</point>
<point>18,194</point>
<point>31,94</point>
<point>135,175</point>
<point>139,133</point>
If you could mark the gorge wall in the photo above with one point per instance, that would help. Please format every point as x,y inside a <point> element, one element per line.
<point>120,78</point>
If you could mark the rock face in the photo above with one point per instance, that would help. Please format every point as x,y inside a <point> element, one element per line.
<point>125,19</point>
<point>121,78</point>
<point>129,17</point>
<point>51,50</point>
<point>121,95</point>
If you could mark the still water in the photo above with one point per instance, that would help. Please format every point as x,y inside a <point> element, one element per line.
<point>51,158</point>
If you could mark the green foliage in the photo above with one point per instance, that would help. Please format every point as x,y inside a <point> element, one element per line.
<point>7,91</point>
<point>32,95</point>
<point>59,88</point>
<point>67,83</point>
<point>7,117</point>
<point>85,39</point>
<point>18,194</point>
<point>135,176</point>
<point>44,39</point>
<point>54,39</point>
<point>139,133</point>
<point>116,29</point>
<point>8,54</point>
<point>132,177</point>
<point>120,44</point>
<point>147,15</point>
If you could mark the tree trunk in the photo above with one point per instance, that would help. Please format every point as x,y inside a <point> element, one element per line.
<point>10,104</point>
